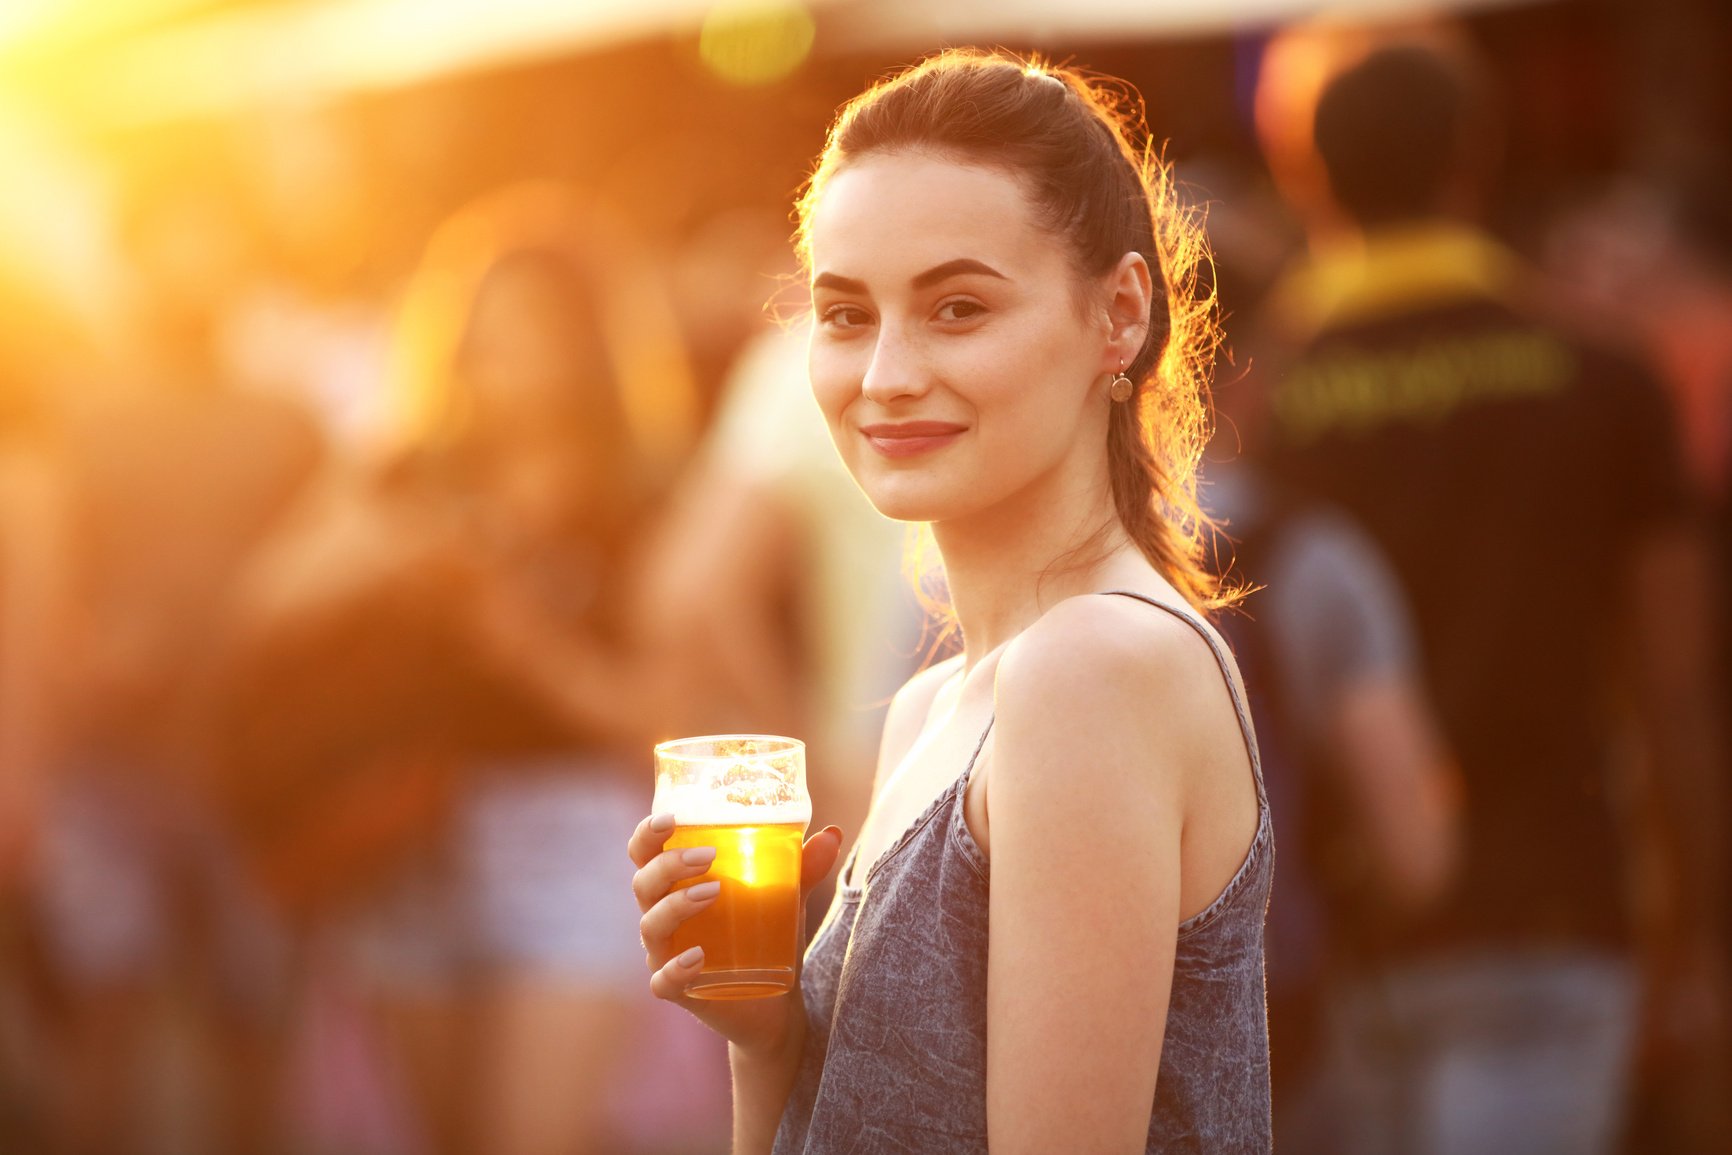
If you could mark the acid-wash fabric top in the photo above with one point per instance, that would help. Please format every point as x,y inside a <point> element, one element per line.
<point>895,992</point>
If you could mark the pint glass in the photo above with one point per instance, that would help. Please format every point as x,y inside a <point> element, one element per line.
<point>745,795</point>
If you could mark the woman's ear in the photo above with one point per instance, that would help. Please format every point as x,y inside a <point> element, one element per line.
<point>1130,289</point>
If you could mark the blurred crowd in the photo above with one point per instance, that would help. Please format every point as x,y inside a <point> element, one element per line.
<point>359,536</point>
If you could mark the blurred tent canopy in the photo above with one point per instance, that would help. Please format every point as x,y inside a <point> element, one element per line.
<point>920,23</point>
<point>140,61</point>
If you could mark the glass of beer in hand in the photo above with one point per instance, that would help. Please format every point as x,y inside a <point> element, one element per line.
<point>745,795</point>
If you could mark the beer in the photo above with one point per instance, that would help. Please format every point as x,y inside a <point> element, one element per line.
<point>745,795</point>
<point>750,933</point>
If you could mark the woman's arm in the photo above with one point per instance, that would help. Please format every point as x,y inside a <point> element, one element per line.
<point>1099,713</point>
<point>1404,787</point>
<point>765,1036</point>
<point>599,689</point>
<point>1345,652</point>
<point>763,1080</point>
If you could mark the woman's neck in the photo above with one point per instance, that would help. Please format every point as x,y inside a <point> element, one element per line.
<point>1005,567</point>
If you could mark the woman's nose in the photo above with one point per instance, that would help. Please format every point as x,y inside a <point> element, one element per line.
<point>896,370</point>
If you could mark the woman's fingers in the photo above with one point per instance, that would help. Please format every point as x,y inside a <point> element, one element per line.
<point>655,878</point>
<point>648,839</point>
<point>661,920</point>
<point>674,976</point>
<point>818,857</point>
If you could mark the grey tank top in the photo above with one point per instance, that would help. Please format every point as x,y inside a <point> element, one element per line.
<point>895,991</point>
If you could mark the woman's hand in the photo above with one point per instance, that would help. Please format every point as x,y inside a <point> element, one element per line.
<point>757,1026</point>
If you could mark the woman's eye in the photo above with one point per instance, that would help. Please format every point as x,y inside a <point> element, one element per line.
<point>844,317</point>
<point>960,310</point>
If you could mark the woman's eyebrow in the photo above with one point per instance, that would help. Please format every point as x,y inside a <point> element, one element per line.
<point>936,274</point>
<point>840,283</point>
<point>956,268</point>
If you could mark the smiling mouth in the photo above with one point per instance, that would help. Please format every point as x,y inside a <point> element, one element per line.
<point>909,439</point>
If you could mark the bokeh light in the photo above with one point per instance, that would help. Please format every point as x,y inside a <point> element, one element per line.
<point>756,43</point>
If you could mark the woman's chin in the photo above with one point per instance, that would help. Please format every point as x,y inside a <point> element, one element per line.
<point>909,503</point>
<point>900,510</point>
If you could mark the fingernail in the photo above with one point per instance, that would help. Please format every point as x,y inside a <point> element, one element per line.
<point>662,823</point>
<point>703,891</point>
<point>699,856</point>
<point>692,957</point>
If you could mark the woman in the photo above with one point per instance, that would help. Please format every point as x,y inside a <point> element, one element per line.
<point>526,454</point>
<point>477,593</point>
<point>1007,346</point>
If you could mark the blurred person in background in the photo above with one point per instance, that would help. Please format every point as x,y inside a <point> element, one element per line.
<point>1649,262</point>
<point>448,714</point>
<point>1527,489</point>
<point>800,621</point>
<point>165,479</point>
<point>30,520</point>
<point>1651,265</point>
<point>1361,788</point>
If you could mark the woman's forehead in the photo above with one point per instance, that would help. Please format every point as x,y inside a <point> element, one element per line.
<point>911,210</point>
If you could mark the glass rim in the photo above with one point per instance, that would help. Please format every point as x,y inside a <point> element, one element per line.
<point>774,744</point>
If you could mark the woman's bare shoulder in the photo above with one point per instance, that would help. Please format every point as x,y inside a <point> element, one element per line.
<point>1108,675</point>
<point>1121,639</point>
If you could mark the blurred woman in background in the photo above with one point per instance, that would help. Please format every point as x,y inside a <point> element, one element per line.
<point>471,594</point>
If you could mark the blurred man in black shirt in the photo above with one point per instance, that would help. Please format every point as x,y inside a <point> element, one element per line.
<point>1527,489</point>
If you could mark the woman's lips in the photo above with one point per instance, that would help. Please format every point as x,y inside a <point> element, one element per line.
<point>911,438</point>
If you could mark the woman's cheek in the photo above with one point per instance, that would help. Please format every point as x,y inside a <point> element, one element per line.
<point>834,384</point>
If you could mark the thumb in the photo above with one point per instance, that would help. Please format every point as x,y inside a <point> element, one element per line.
<point>818,857</point>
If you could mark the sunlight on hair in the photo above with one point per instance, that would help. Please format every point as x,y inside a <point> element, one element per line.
<point>756,43</point>
<point>1175,411</point>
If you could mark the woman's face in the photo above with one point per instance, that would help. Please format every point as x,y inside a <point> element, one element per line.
<point>525,357</point>
<point>951,353</point>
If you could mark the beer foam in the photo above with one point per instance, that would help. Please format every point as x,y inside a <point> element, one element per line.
<point>733,780</point>
<point>713,804</point>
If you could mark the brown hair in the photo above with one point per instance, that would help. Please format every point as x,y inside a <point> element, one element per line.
<point>1079,144</point>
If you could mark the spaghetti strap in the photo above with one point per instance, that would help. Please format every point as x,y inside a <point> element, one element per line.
<point>1229,672</point>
